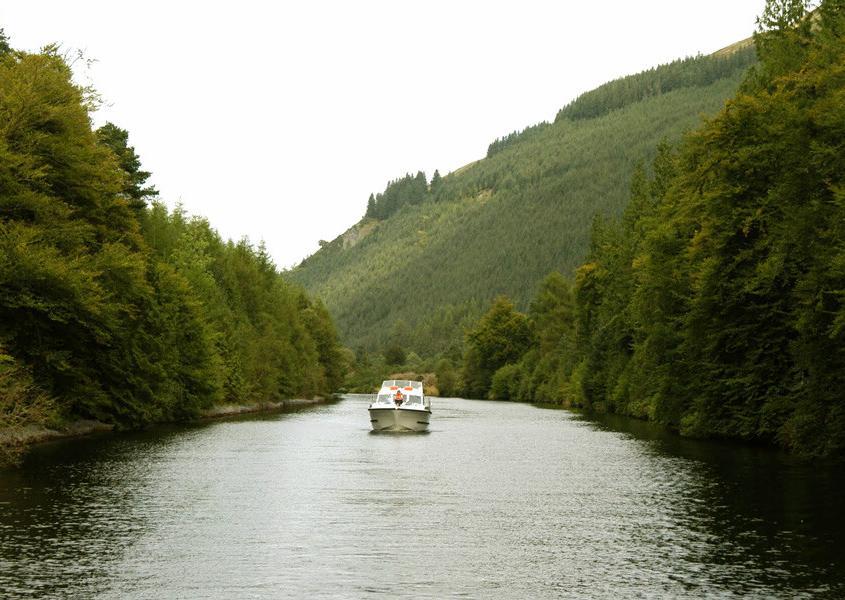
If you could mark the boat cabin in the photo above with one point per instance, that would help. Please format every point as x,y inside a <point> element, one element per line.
<point>400,392</point>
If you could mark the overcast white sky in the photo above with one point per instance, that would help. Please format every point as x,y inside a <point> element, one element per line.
<point>276,120</point>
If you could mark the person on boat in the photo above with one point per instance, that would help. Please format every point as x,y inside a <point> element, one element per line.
<point>398,398</point>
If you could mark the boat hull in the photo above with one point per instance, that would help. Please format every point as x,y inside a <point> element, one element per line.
<point>399,419</point>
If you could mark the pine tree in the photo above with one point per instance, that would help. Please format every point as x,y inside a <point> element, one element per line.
<point>436,183</point>
<point>117,140</point>
<point>371,208</point>
<point>5,48</point>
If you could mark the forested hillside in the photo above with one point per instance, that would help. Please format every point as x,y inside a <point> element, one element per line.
<point>716,304</point>
<point>424,263</point>
<point>111,308</point>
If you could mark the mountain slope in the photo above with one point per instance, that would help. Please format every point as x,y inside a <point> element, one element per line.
<point>499,225</point>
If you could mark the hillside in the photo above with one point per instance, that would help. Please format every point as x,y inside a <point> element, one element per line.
<point>716,304</point>
<point>431,263</point>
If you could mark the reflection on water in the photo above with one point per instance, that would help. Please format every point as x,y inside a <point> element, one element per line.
<point>497,500</point>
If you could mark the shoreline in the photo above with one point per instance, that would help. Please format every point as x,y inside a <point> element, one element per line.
<point>36,434</point>
<point>17,440</point>
<point>229,410</point>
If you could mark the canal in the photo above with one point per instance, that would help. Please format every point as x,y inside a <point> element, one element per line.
<point>498,500</point>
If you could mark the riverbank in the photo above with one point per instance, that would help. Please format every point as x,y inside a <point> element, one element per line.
<point>227,410</point>
<point>15,441</point>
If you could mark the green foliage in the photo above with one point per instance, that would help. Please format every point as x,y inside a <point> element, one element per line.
<point>505,383</point>
<point>447,378</point>
<point>497,226</point>
<point>365,373</point>
<point>698,71</point>
<point>500,338</point>
<point>541,376</point>
<point>22,403</point>
<point>408,190</point>
<point>716,305</point>
<point>272,341</point>
<point>124,313</point>
<point>5,48</point>
<point>781,32</point>
<point>436,184</point>
<point>117,140</point>
<point>71,277</point>
<point>319,325</point>
<point>503,142</point>
<point>394,354</point>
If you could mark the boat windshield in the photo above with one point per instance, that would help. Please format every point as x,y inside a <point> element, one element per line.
<point>406,399</point>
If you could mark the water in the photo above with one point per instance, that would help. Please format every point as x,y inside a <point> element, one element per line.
<point>498,500</point>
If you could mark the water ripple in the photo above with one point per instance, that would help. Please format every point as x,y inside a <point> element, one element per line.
<point>499,500</point>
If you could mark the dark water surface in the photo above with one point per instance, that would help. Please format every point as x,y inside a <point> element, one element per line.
<point>499,500</point>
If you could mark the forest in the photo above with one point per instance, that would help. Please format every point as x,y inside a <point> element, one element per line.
<point>113,308</point>
<point>499,225</point>
<point>716,304</point>
<point>671,247</point>
<point>708,296</point>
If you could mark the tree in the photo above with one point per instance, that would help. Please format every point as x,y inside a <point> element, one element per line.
<point>117,139</point>
<point>552,312</point>
<point>447,378</point>
<point>542,372</point>
<point>5,48</point>
<point>121,315</point>
<point>716,305</point>
<point>394,354</point>
<point>321,328</point>
<point>396,350</point>
<point>781,16</point>
<point>436,183</point>
<point>500,224</point>
<point>500,337</point>
<point>420,189</point>
<point>505,383</point>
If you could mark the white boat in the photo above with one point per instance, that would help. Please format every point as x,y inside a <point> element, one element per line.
<point>400,406</point>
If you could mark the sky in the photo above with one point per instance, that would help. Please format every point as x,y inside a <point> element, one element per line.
<point>276,120</point>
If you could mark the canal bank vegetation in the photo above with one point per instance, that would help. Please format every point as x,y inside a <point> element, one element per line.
<point>113,308</point>
<point>367,371</point>
<point>716,304</point>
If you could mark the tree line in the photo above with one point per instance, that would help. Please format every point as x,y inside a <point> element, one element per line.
<point>496,226</point>
<point>114,308</point>
<point>514,137</point>
<point>716,304</point>
<point>695,71</point>
<point>409,190</point>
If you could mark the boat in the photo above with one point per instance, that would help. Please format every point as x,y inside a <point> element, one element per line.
<point>400,406</point>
